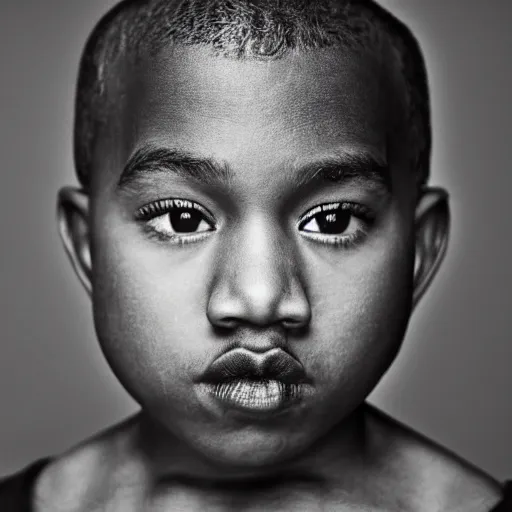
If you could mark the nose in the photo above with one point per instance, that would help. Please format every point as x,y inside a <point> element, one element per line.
<point>257,282</point>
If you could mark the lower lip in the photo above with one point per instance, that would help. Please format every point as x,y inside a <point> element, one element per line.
<point>256,396</point>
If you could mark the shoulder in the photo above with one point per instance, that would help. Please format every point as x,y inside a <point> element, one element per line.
<point>432,477</point>
<point>82,478</point>
<point>68,481</point>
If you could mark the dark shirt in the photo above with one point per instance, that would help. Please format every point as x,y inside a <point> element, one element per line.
<point>506,504</point>
<point>16,490</point>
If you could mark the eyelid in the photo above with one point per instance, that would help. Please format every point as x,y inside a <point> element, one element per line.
<point>345,241</point>
<point>163,206</point>
<point>354,208</point>
<point>358,212</point>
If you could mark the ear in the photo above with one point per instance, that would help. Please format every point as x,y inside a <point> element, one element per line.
<point>73,223</point>
<point>432,233</point>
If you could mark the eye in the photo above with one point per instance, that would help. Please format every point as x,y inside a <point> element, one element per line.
<point>336,223</point>
<point>177,220</point>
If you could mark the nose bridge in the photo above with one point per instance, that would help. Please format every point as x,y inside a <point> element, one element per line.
<point>257,279</point>
<point>262,269</point>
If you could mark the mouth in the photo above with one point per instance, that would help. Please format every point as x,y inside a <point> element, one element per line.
<point>256,383</point>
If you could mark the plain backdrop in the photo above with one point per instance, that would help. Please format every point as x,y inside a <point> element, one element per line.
<point>453,379</point>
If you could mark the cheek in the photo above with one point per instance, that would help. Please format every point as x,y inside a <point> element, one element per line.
<point>361,309</point>
<point>148,301</point>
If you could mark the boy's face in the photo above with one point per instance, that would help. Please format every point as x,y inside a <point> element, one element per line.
<point>262,257</point>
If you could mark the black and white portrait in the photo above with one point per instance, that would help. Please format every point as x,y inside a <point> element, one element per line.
<point>255,255</point>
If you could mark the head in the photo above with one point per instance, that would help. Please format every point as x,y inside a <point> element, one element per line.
<point>253,176</point>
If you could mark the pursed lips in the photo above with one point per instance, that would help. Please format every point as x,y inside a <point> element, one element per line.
<point>261,383</point>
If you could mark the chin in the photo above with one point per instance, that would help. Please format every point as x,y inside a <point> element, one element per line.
<point>250,449</point>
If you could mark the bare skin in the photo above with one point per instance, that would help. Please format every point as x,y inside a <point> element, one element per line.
<point>404,472</point>
<point>260,278</point>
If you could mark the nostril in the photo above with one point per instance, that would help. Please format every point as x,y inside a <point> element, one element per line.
<point>227,322</point>
<point>291,323</point>
<point>294,324</point>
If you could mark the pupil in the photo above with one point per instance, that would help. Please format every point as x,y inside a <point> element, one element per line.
<point>185,220</point>
<point>333,222</point>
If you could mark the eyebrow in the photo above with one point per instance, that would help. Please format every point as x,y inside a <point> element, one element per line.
<point>359,166</point>
<point>151,159</point>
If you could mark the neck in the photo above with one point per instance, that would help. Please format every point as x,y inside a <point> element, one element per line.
<point>335,457</point>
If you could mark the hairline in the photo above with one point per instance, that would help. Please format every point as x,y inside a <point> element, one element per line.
<point>113,51</point>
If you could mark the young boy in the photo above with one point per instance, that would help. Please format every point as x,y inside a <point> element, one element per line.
<point>254,229</point>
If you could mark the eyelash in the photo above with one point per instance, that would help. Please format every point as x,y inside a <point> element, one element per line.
<point>365,215</point>
<point>165,206</point>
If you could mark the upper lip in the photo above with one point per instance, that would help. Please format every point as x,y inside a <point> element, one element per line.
<point>240,363</point>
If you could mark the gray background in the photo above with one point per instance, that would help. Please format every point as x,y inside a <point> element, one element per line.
<point>453,379</point>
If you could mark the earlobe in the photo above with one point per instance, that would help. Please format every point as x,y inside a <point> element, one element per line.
<point>432,233</point>
<point>73,223</point>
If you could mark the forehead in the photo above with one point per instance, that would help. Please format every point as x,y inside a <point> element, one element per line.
<point>259,113</point>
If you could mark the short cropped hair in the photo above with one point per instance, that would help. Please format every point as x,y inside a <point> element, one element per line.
<point>243,29</point>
